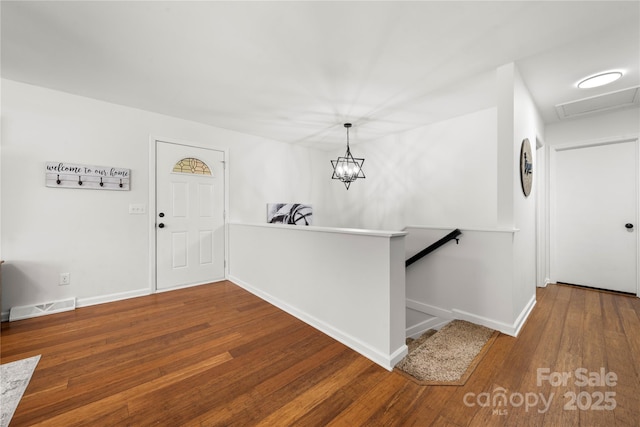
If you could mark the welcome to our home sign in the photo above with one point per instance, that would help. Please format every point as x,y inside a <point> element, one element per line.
<point>69,175</point>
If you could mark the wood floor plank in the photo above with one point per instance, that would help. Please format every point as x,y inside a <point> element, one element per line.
<point>529,353</point>
<point>216,355</point>
<point>342,398</point>
<point>611,319</point>
<point>369,402</point>
<point>112,415</point>
<point>592,303</point>
<point>594,357</point>
<point>620,363</point>
<point>631,325</point>
<point>132,365</point>
<point>216,386</point>
<point>462,405</point>
<point>491,367</point>
<point>397,409</point>
<point>306,401</point>
<point>568,357</point>
<point>268,393</point>
<point>124,397</point>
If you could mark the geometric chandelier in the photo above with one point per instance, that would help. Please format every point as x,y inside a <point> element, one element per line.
<point>347,168</point>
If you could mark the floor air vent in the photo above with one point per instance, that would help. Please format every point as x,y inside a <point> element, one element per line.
<point>27,311</point>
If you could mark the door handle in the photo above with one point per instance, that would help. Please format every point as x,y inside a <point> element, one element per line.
<point>628,226</point>
<point>161,225</point>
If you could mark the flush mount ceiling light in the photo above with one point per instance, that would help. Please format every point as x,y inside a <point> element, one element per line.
<point>347,168</point>
<point>600,79</point>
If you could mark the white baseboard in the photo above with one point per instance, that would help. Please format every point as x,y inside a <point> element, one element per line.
<point>547,281</point>
<point>443,316</point>
<point>524,315</point>
<point>440,318</point>
<point>435,323</point>
<point>395,357</point>
<point>387,361</point>
<point>431,310</point>
<point>102,299</point>
<point>505,328</point>
<point>190,285</point>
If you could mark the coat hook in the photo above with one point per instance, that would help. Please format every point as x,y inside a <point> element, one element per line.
<point>58,180</point>
<point>101,183</point>
<point>79,180</point>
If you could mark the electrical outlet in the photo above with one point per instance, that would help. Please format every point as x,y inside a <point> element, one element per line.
<point>65,279</point>
<point>137,209</point>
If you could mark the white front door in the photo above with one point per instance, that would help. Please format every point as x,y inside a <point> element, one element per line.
<point>190,237</point>
<point>596,205</point>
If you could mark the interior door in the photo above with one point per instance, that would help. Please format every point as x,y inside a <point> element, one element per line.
<point>596,214</point>
<point>190,238</point>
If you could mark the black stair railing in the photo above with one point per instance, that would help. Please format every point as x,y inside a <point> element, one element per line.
<point>426,251</point>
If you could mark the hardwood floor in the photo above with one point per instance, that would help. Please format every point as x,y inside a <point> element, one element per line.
<point>217,355</point>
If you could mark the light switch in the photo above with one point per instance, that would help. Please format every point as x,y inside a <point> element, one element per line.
<point>137,209</point>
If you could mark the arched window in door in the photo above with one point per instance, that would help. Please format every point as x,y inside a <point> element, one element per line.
<point>193,166</point>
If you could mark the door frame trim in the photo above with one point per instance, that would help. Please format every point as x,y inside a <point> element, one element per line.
<point>152,212</point>
<point>542,213</point>
<point>552,195</point>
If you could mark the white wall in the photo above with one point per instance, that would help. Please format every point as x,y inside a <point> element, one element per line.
<point>518,119</point>
<point>47,231</point>
<point>490,278</point>
<point>527,124</point>
<point>460,173</point>
<point>471,280</point>
<point>349,284</point>
<point>442,174</point>
<point>617,123</point>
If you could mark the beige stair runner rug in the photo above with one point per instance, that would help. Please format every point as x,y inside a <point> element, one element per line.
<point>448,356</point>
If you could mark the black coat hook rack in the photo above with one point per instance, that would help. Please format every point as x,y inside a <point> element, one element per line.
<point>69,175</point>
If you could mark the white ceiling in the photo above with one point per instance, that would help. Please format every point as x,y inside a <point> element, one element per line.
<point>296,71</point>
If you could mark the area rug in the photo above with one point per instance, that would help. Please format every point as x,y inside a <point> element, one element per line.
<point>448,356</point>
<point>14,378</point>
